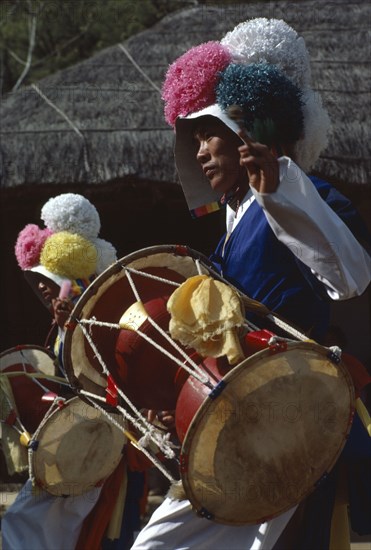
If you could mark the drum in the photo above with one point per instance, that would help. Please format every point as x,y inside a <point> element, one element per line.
<point>22,407</point>
<point>27,394</point>
<point>133,292</point>
<point>256,437</point>
<point>267,435</point>
<point>75,449</point>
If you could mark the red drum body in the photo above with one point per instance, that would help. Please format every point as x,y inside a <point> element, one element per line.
<point>143,372</point>
<point>27,394</point>
<point>195,392</point>
<point>269,432</point>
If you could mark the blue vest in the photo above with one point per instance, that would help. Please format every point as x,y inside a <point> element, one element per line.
<point>257,263</point>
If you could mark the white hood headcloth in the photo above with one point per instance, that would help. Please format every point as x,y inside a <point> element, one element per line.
<point>39,274</point>
<point>200,197</point>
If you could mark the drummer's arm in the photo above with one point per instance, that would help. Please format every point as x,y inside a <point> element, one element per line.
<point>307,225</point>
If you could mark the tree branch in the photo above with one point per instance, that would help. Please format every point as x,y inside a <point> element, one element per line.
<point>16,57</point>
<point>32,23</point>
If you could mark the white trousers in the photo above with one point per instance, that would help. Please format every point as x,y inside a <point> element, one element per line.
<point>45,522</point>
<point>175,526</point>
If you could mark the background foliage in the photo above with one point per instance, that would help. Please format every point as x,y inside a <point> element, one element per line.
<point>38,37</point>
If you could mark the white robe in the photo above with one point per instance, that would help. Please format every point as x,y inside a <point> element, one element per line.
<point>174,526</point>
<point>45,522</point>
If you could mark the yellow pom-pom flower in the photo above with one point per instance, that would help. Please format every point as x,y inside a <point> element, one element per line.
<point>69,255</point>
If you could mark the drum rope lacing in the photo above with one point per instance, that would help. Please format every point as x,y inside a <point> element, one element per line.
<point>281,324</point>
<point>193,370</point>
<point>127,416</point>
<point>198,266</point>
<point>287,328</point>
<point>143,425</point>
<point>148,276</point>
<point>34,377</point>
<point>45,376</point>
<point>16,418</point>
<point>157,437</point>
<point>197,372</point>
<point>141,444</point>
<point>123,411</point>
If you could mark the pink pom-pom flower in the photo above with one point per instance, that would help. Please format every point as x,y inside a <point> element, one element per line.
<point>29,244</point>
<point>190,81</point>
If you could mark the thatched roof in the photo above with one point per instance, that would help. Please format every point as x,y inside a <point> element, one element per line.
<point>117,127</point>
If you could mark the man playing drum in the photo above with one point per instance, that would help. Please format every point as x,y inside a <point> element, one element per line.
<point>60,261</point>
<point>247,126</point>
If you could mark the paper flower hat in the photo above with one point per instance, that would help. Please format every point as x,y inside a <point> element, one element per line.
<point>68,248</point>
<point>262,66</point>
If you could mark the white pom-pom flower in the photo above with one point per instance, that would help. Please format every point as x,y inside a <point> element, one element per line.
<point>317,125</point>
<point>107,254</point>
<point>73,213</point>
<point>271,41</point>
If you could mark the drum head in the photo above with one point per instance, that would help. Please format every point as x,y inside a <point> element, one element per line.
<point>26,393</point>
<point>77,449</point>
<point>270,437</point>
<point>143,372</point>
<point>37,357</point>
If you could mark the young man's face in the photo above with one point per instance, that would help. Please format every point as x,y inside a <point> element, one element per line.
<point>48,291</point>
<point>217,153</point>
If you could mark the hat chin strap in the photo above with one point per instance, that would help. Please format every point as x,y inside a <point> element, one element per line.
<point>231,196</point>
<point>234,196</point>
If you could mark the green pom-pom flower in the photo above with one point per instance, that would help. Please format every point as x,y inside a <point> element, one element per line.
<point>271,103</point>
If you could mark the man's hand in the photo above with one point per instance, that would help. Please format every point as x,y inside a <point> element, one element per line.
<point>261,164</point>
<point>166,418</point>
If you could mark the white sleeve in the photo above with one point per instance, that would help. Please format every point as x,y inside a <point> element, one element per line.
<point>315,234</point>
